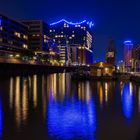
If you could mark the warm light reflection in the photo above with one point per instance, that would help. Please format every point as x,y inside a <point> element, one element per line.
<point>11,92</point>
<point>139,100</point>
<point>100,89</point>
<point>17,101</point>
<point>35,90</point>
<point>24,100</point>
<point>44,96</point>
<point>106,92</point>
<point>127,101</point>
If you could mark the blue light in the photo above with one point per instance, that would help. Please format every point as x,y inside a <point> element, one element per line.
<point>0,22</point>
<point>128,42</point>
<point>91,24</point>
<point>127,101</point>
<point>71,119</point>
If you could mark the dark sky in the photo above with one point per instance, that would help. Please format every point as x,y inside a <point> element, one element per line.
<point>118,19</point>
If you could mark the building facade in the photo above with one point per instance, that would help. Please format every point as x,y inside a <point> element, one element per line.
<point>111,53</point>
<point>74,40</point>
<point>13,34</point>
<point>38,34</point>
<point>136,59</point>
<point>128,48</point>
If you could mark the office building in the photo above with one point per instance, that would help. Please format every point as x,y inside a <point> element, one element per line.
<point>74,40</point>
<point>13,37</point>
<point>128,48</point>
<point>136,59</point>
<point>38,34</point>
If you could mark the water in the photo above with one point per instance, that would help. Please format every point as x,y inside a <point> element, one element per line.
<point>54,107</point>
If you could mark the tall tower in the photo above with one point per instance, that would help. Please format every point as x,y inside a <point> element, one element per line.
<point>111,53</point>
<point>128,48</point>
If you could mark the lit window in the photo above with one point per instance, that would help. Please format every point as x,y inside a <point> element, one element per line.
<point>17,34</point>
<point>1,28</point>
<point>50,31</point>
<point>56,36</point>
<point>73,35</point>
<point>25,36</point>
<point>25,46</point>
<point>45,36</point>
<point>45,40</point>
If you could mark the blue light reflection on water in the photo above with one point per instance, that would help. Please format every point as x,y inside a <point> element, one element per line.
<point>127,101</point>
<point>72,120</point>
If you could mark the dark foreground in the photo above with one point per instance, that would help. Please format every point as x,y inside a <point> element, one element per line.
<point>55,108</point>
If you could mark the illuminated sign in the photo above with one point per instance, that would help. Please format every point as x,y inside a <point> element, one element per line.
<point>91,24</point>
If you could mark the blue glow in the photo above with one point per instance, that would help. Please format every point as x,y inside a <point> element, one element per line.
<point>71,120</point>
<point>128,42</point>
<point>91,24</point>
<point>127,101</point>
<point>0,22</point>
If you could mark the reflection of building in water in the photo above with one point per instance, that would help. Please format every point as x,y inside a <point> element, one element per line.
<point>139,100</point>
<point>73,118</point>
<point>127,101</point>
<point>100,88</point>
<point>24,100</point>
<point>18,98</point>
<point>105,90</point>
<point>35,90</point>
<point>17,101</point>
<point>1,118</point>
<point>57,86</point>
<point>84,91</point>
<point>11,92</point>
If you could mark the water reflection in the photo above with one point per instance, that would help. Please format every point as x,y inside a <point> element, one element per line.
<point>58,108</point>
<point>69,118</point>
<point>127,100</point>
<point>1,119</point>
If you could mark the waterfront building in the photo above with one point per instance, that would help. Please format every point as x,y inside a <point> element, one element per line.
<point>40,41</point>
<point>74,40</point>
<point>128,48</point>
<point>13,37</point>
<point>136,59</point>
<point>102,69</point>
<point>111,53</point>
<point>38,34</point>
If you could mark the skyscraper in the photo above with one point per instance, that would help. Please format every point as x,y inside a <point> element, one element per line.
<point>74,40</point>
<point>128,48</point>
<point>111,53</point>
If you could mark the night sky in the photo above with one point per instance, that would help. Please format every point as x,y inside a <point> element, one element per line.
<point>117,19</point>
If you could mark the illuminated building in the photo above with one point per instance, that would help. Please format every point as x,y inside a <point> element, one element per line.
<point>40,42</point>
<point>74,39</point>
<point>102,69</point>
<point>128,47</point>
<point>136,59</point>
<point>38,34</point>
<point>13,36</point>
<point>111,53</point>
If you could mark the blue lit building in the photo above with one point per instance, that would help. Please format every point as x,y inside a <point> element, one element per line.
<point>128,49</point>
<point>74,40</point>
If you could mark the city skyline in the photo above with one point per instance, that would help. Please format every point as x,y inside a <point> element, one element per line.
<point>105,14</point>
